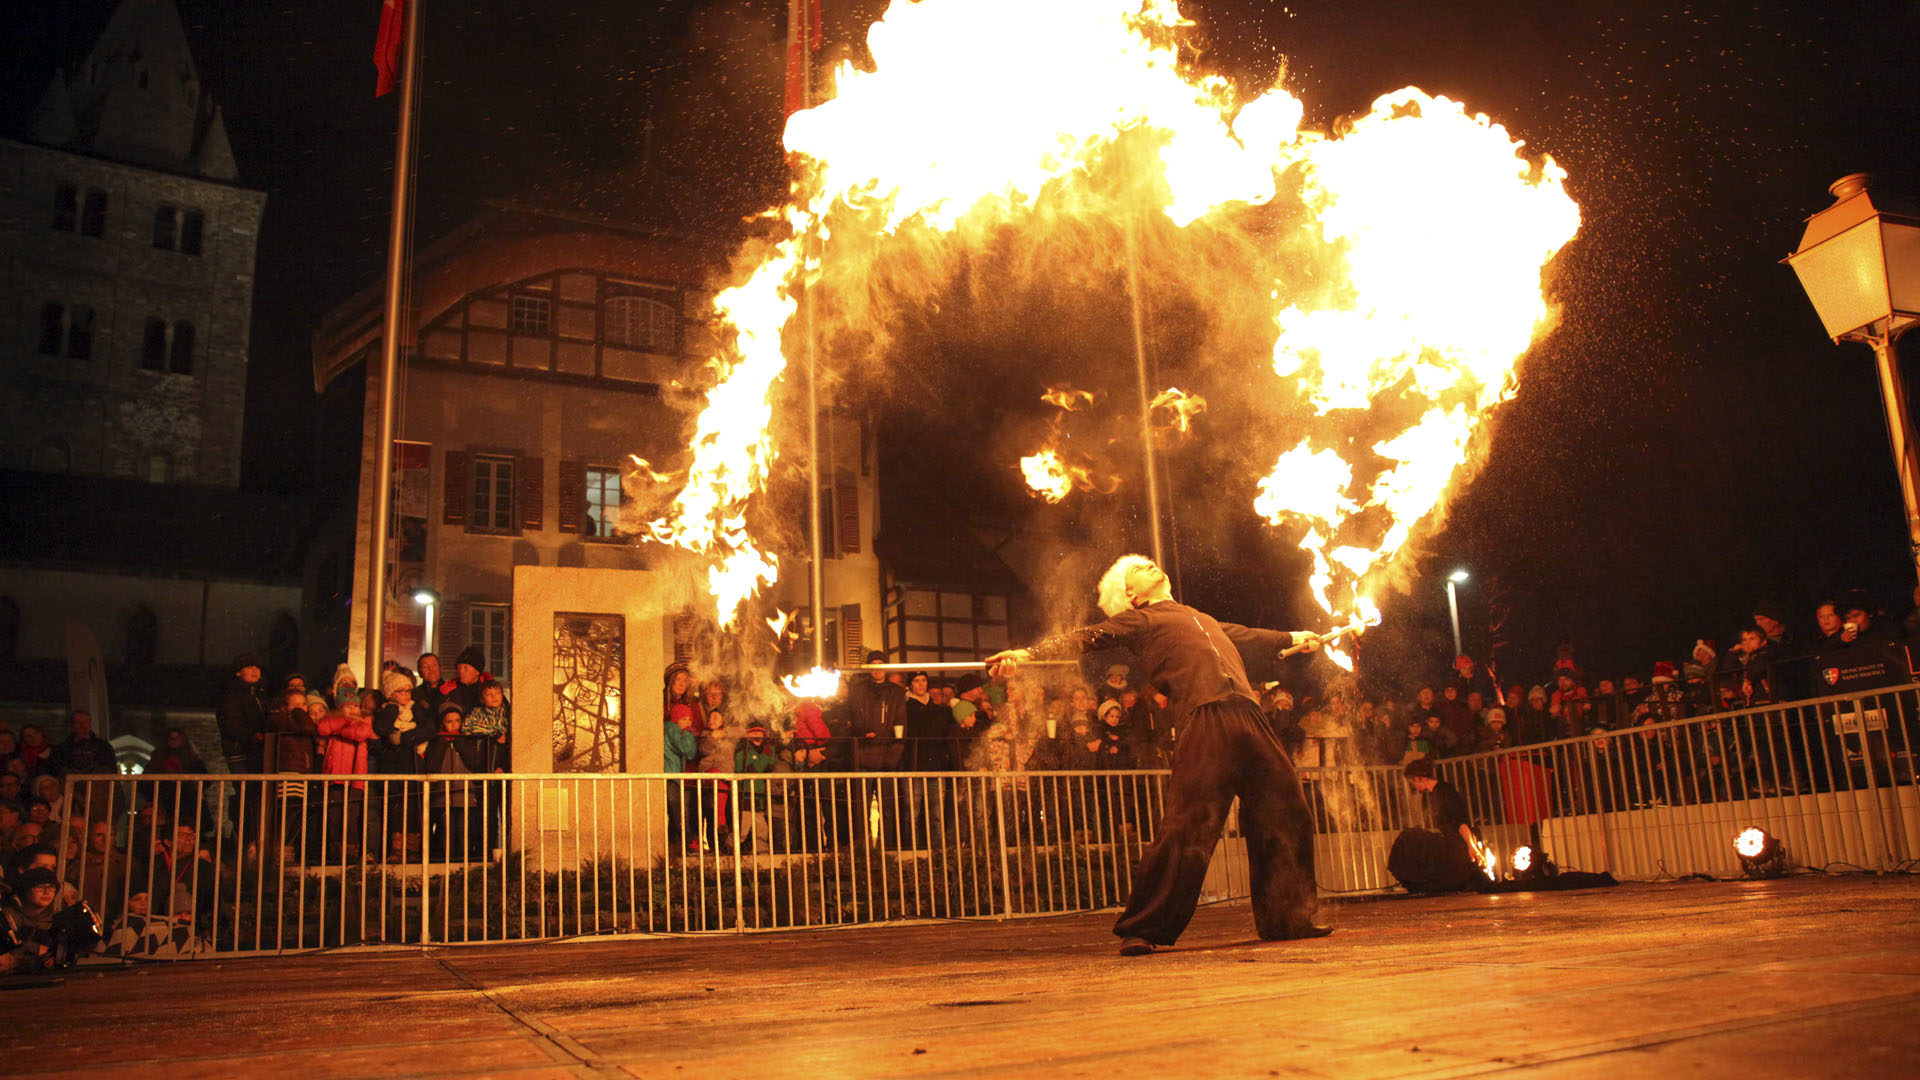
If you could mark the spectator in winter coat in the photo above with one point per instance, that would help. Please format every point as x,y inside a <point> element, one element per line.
<point>33,751</point>
<point>449,750</point>
<point>298,734</point>
<point>811,737</point>
<point>344,684</point>
<point>1468,678</point>
<point>754,754</point>
<point>84,752</point>
<point>1455,715</point>
<point>176,755</point>
<point>398,727</point>
<point>682,747</point>
<point>927,723</point>
<point>469,674</point>
<point>243,717</point>
<point>428,693</point>
<point>491,722</point>
<point>1827,617</point>
<point>1757,678</point>
<point>1116,747</point>
<point>677,689</point>
<point>345,734</point>
<point>876,708</point>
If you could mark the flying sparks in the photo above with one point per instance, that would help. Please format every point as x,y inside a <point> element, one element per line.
<point>1424,228</point>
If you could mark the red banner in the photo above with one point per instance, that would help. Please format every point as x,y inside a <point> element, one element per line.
<point>387,47</point>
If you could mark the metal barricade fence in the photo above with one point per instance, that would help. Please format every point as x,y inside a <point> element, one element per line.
<point>180,866</point>
<point>1831,778</point>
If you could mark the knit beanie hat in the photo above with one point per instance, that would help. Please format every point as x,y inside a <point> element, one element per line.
<point>394,682</point>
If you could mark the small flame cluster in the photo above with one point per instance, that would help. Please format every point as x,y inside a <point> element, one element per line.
<point>1048,473</point>
<point>1426,228</point>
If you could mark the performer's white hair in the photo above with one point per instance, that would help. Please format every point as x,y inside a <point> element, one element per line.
<point>1113,583</point>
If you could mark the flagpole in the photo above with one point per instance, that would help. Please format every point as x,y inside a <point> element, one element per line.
<point>390,342</point>
<point>802,28</point>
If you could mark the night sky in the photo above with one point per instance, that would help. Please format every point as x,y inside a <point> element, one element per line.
<point>1686,443</point>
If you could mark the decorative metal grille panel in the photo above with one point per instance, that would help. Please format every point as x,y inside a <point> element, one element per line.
<point>589,693</point>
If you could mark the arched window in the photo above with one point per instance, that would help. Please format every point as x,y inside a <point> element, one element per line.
<point>53,327</point>
<point>193,231</point>
<point>166,222</point>
<point>80,333</point>
<point>159,468</point>
<point>180,360</point>
<point>66,207</point>
<point>93,213</point>
<point>153,348</point>
<point>638,322</point>
<point>53,456</point>
<point>9,628</point>
<point>143,637</point>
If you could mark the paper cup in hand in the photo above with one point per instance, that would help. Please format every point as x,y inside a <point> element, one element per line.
<point>899,731</point>
<point>1053,728</point>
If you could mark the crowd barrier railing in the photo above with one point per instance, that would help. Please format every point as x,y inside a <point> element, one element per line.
<point>1831,778</point>
<point>181,866</point>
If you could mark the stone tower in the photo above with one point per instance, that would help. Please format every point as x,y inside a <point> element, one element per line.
<point>130,268</point>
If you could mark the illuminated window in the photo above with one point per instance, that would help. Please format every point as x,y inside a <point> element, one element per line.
<point>603,503</point>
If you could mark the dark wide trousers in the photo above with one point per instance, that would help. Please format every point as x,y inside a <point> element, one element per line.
<point>1227,749</point>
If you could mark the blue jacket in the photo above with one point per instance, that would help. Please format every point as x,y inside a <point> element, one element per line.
<point>681,747</point>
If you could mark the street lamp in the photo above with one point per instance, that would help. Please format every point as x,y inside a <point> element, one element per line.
<point>1859,263</point>
<point>1453,608</point>
<point>430,600</point>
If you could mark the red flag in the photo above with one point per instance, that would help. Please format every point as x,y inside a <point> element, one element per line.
<point>803,40</point>
<point>387,47</point>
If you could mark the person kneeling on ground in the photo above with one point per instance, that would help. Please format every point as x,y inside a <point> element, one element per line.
<point>1440,858</point>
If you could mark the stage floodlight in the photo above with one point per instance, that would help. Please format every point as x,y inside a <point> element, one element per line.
<point>1761,855</point>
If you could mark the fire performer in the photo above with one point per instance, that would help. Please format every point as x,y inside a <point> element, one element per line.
<point>1225,748</point>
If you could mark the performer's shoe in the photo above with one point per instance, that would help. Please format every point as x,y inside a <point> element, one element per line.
<point>1134,946</point>
<point>1309,931</point>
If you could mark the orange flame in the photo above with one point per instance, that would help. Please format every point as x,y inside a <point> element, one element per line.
<point>1181,406</point>
<point>1066,398</point>
<point>1442,270</point>
<point>817,683</point>
<point>1432,232</point>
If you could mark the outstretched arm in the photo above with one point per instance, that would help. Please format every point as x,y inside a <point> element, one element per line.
<point>1118,631</point>
<point>1260,649</point>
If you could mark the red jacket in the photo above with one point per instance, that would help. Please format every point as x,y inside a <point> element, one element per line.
<point>344,745</point>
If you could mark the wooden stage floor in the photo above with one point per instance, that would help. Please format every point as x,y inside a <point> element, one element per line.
<point>1805,977</point>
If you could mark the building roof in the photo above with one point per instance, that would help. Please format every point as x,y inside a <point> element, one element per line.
<point>137,99</point>
<point>506,243</point>
<point>125,526</point>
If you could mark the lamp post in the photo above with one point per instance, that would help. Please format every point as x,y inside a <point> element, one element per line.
<point>1859,262</point>
<point>430,600</point>
<point>1453,608</point>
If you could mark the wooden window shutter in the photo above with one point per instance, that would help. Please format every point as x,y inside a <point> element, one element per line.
<point>459,480</point>
<point>532,495</point>
<point>573,496</point>
<point>846,504</point>
<point>683,634</point>
<point>450,626</point>
<point>851,640</point>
